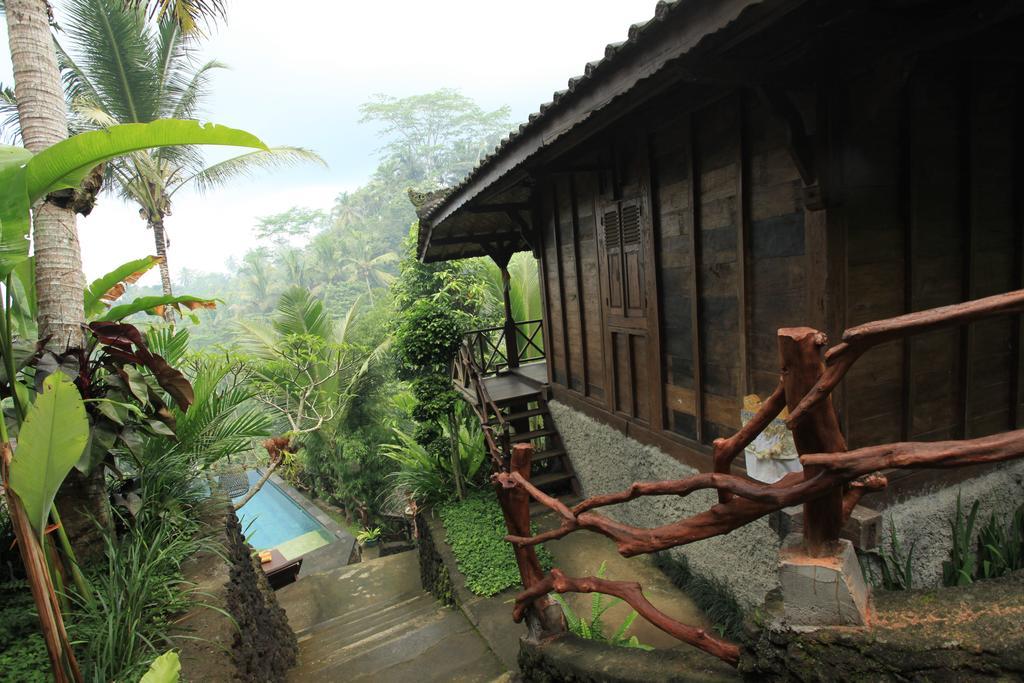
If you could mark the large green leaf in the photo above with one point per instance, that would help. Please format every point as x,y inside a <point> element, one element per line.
<point>165,669</point>
<point>67,163</point>
<point>111,286</point>
<point>154,306</point>
<point>25,178</point>
<point>51,441</point>
<point>15,207</point>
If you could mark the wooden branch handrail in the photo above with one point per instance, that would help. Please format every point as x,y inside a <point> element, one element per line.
<point>831,484</point>
<point>632,594</point>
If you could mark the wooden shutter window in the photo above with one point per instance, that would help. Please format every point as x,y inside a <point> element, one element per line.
<point>630,224</point>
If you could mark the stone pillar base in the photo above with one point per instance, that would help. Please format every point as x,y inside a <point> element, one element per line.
<point>822,591</point>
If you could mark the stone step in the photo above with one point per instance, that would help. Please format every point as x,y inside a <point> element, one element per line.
<point>439,646</point>
<point>353,589</point>
<point>366,614</point>
<point>343,635</point>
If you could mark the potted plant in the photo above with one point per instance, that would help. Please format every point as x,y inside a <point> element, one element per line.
<point>369,537</point>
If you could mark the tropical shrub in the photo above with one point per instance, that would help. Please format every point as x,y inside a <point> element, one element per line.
<point>476,533</point>
<point>997,549</point>
<point>594,628</point>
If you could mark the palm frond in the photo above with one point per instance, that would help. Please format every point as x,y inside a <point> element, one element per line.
<point>190,15</point>
<point>10,124</point>
<point>298,312</point>
<point>113,45</point>
<point>188,95</point>
<point>245,165</point>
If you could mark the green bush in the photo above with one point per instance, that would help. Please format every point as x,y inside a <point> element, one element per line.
<point>476,534</point>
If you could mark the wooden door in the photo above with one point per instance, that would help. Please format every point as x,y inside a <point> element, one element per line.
<point>621,244</point>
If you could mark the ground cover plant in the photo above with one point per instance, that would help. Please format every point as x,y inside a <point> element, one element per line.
<point>476,533</point>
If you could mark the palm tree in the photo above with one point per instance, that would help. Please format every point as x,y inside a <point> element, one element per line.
<point>43,121</point>
<point>119,69</point>
<point>364,263</point>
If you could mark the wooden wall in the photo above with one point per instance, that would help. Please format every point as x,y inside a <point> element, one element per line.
<point>921,213</point>
<point>929,168</point>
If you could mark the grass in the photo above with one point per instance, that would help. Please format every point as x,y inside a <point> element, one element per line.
<point>476,533</point>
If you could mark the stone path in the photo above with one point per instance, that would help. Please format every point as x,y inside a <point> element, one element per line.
<point>372,621</point>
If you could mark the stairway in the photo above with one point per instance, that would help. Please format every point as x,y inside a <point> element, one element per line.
<point>372,621</point>
<point>531,422</point>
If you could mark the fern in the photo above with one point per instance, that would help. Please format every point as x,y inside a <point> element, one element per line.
<point>594,628</point>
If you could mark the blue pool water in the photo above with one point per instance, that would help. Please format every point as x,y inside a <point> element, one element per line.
<point>271,517</point>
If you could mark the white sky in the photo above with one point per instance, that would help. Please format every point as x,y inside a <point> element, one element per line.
<point>300,69</point>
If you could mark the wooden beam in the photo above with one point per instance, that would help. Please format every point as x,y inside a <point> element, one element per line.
<point>906,200</point>
<point>580,314</point>
<point>965,214</point>
<point>484,238</point>
<point>650,240</point>
<point>538,220</point>
<point>798,142</point>
<point>698,384</point>
<point>742,232</point>
<point>561,284</point>
<point>499,208</point>
<point>1017,377</point>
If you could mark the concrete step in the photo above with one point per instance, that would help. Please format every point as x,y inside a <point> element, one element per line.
<point>367,615</point>
<point>373,622</point>
<point>343,635</point>
<point>438,646</point>
<point>353,589</point>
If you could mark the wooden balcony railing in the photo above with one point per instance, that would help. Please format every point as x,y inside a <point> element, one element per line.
<point>830,486</point>
<point>491,349</point>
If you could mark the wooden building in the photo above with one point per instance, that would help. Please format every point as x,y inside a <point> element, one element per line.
<point>737,166</point>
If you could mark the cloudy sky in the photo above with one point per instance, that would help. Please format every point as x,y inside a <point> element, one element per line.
<point>299,71</point>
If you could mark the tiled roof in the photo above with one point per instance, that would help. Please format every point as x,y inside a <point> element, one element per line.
<point>591,71</point>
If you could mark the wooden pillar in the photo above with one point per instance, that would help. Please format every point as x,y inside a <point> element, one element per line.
<point>800,351</point>
<point>511,342</point>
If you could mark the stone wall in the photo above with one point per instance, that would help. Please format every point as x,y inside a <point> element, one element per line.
<point>238,632</point>
<point>746,560</point>
<point>568,658</point>
<point>606,460</point>
<point>433,572</point>
<point>264,646</point>
<point>969,633</point>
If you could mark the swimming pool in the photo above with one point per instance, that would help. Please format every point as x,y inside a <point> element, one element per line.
<point>272,519</point>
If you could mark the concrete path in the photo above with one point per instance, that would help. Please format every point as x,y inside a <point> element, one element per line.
<point>373,622</point>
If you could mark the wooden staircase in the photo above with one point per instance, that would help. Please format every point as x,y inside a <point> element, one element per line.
<point>530,421</point>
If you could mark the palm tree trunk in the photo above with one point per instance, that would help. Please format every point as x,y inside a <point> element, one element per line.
<point>59,277</point>
<point>160,237</point>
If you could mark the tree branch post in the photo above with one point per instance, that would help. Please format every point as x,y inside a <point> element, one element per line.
<point>543,616</point>
<point>800,351</point>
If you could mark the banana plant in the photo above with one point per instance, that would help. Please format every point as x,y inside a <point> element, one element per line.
<point>100,297</point>
<point>53,429</point>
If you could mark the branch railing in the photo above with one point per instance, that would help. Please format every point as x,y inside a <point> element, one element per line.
<point>497,438</point>
<point>491,352</point>
<point>831,484</point>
